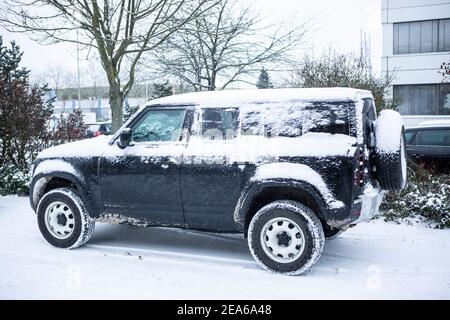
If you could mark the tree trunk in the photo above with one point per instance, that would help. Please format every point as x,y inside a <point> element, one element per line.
<point>212,82</point>
<point>116,102</point>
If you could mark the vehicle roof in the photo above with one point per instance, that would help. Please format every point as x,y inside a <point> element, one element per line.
<point>443,122</point>
<point>416,128</point>
<point>235,97</point>
<point>94,123</point>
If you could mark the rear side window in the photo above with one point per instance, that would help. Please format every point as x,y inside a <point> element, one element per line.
<point>433,138</point>
<point>219,124</point>
<point>294,120</point>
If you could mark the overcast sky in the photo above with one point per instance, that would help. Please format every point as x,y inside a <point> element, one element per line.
<point>336,22</point>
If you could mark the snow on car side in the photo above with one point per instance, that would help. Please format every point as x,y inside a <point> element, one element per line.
<point>286,167</point>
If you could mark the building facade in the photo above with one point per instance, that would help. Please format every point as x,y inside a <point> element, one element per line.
<point>416,42</point>
<point>94,102</point>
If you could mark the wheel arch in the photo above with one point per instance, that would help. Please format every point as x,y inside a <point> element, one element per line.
<point>45,182</point>
<point>259,194</point>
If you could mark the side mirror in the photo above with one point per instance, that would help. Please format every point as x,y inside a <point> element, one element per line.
<point>125,138</point>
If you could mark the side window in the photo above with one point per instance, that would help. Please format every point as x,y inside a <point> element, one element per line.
<point>433,138</point>
<point>219,124</point>
<point>409,136</point>
<point>159,126</point>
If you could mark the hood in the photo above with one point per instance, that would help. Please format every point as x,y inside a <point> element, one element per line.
<point>93,147</point>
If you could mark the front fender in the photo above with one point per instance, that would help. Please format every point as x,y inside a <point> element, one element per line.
<point>45,170</point>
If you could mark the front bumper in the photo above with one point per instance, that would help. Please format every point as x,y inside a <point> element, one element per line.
<point>369,202</point>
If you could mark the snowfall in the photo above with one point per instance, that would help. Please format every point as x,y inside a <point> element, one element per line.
<point>372,260</point>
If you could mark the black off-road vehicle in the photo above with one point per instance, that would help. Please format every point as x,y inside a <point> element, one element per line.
<point>287,168</point>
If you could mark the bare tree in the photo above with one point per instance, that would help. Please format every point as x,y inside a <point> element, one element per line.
<point>95,76</point>
<point>333,69</point>
<point>121,31</point>
<point>227,42</point>
<point>56,76</point>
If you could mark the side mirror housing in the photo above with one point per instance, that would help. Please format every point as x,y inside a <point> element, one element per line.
<point>125,138</point>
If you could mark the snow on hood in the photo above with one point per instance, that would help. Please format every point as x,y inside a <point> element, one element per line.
<point>81,149</point>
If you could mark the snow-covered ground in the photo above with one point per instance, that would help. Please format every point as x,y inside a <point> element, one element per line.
<point>372,260</point>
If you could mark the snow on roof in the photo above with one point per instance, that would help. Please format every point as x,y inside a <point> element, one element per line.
<point>444,122</point>
<point>422,127</point>
<point>230,97</point>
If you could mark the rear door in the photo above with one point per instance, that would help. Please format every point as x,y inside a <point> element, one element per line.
<point>211,182</point>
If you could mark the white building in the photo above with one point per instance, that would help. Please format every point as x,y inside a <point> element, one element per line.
<point>416,41</point>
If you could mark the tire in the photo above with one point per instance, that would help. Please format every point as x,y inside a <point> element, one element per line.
<point>63,219</point>
<point>306,227</point>
<point>390,152</point>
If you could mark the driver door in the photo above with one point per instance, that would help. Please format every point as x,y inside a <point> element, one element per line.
<point>142,181</point>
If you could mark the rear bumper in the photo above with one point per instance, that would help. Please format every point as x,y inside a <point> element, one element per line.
<point>369,202</point>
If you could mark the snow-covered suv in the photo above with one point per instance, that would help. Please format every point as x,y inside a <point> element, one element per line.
<point>287,168</point>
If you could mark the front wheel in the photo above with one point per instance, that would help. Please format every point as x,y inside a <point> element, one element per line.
<point>63,219</point>
<point>286,237</point>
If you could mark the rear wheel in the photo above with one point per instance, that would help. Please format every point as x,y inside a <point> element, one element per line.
<point>286,237</point>
<point>63,219</point>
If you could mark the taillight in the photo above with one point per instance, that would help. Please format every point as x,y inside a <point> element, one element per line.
<point>358,175</point>
<point>97,133</point>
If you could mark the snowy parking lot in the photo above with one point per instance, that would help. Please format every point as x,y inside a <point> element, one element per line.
<point>372,260</point>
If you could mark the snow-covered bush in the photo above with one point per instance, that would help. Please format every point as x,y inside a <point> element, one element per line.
<point>24,117</point>
<point>13,180</point>
<point>426,198</point>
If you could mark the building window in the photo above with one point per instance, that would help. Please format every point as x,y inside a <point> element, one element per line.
<point>423,99</point>
<point>422,36</point>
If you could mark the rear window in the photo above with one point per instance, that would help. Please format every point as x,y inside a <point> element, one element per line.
<point>219,124</point>
<point>433,138</point>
